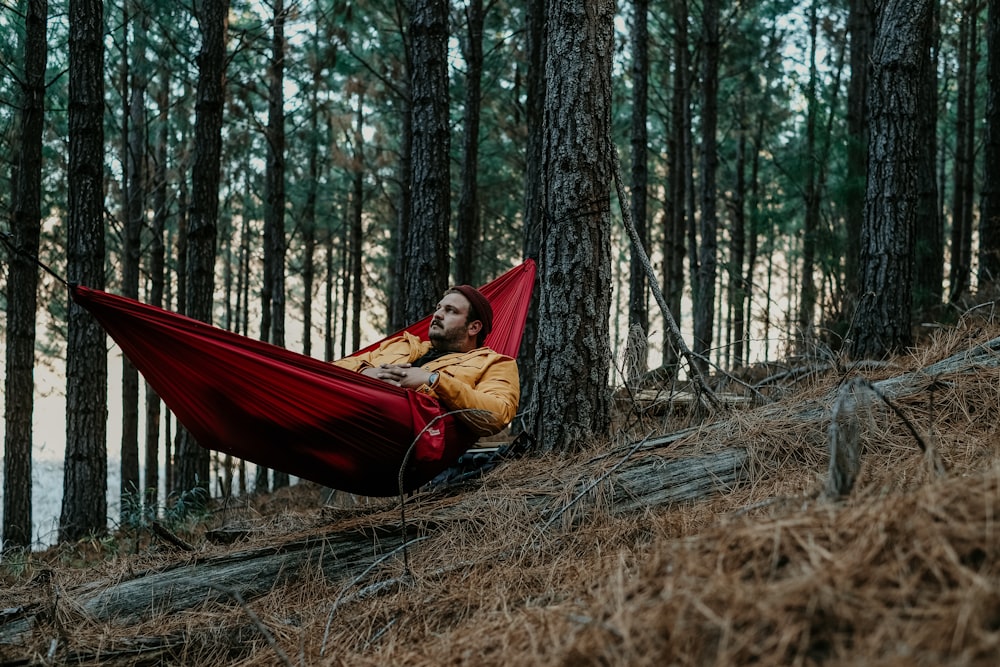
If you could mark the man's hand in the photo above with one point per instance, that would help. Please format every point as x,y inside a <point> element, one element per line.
<point>401,375</point>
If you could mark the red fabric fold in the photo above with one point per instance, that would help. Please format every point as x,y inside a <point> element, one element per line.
<point>291,412</point>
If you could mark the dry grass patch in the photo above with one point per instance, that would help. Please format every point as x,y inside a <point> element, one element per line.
<point>536,564</point>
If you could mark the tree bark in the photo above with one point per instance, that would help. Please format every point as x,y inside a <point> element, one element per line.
<point>928,279</point>
<point>961,210</point>
<point>84,506</point>
<point>860,28</point>
<point>989,222</point>
<point>811,189</point>
<point>192,461</point>
<point>312,191</point>
<point>275,188</point>
<point>901,47</point>
<point>273,290</point>
<point>22,283</point>
<point>739,287</point>
<point>572,354</point>
<point>704,295</point>
<point>157,277</point>
<point>426,271</point>
<point>638,310</point>
<point>675,248</point>
<point>469,226</point>
<point>534,204</point>
<point>135,211</point>
<point>357,229</point>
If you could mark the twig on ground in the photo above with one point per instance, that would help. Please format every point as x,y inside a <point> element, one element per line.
<point>235,594</point>
<point>356,580</point>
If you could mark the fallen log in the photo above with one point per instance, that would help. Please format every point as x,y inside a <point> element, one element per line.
<point>341,554</point>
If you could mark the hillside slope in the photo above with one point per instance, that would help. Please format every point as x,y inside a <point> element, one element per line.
<point>573,561</point>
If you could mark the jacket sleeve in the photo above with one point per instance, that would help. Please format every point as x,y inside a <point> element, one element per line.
<point>393,351</point>
<point>492,400</point>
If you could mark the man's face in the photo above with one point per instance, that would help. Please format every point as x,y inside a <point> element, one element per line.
<point>450,326</point>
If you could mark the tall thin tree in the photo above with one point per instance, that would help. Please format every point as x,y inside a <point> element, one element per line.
<point>157,273</point>
<point>192,461</point>
<point>135,210</point>
<point>961,209</point>
<point>638,310</point>
<point>811,189</point>
<point>704,301</point>
<point>860,25</point>
<point>85,473</point>
<point>901,45</point>
<point>928,239</point>
<point>312,191</point>
<point>469,224</point>
<point>22,283</point>
<point>572,353</point>
<point>679,174</point>
<point>275,241</point>
<point>989,221</point>
<point>426,275</point>
<point>356,237</point>
<point>533,203</point>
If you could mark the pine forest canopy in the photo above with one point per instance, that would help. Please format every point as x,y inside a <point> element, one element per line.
<point>367,155</point>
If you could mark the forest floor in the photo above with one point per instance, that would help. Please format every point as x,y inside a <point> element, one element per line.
<point>545,561</point>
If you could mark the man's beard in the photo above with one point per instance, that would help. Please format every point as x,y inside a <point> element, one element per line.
<point>443,339</point>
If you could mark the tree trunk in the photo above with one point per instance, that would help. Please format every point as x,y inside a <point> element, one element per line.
<point>989,221</point>
<point>961,210</point>
<point>636,355</point>
<point>572,353</point>
<point>156,269</point>
<point>971,136</point>
<point>426,273</point>
<point>135,211</point>
<point>898,65</point>
<point>309,207</point>
<point>738,286</point>
<point>275,188</point>
<point>534,204</point>
<point>357,233</point>
<point>468,228</point>
<point>675,247</point>
<point>398,267</point>
<point>273,301</point>
<point>860,27</point>
<point>928,242</point>
<point>704,297</point>
<point>192,461</point>
<point>180,270</point>
<point>329,335</point>
<point>22,284</point>
<point>345,284</point>
<point>811,190</point>
<point>85,474</point>
<point>753,245</point>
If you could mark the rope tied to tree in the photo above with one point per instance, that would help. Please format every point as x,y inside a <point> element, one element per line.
<point>9,240</point>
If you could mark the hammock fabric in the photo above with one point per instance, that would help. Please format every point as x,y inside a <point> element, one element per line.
<point>294,413</point>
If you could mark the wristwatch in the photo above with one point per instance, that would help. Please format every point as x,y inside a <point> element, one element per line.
<point>432,379</point>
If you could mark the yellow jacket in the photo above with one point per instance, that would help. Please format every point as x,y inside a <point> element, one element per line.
<point>480,379</point>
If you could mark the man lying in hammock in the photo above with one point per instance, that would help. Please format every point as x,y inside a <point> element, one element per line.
<point>453,365</point>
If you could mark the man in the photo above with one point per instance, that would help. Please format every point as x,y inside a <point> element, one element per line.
<point>453,366</point>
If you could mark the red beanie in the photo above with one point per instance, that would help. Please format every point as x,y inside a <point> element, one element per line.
<point>483,311</point>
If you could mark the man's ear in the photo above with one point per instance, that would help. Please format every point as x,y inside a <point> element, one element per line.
<point>474,327</point>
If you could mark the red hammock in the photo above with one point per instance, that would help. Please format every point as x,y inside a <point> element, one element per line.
<point>294,413</point>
